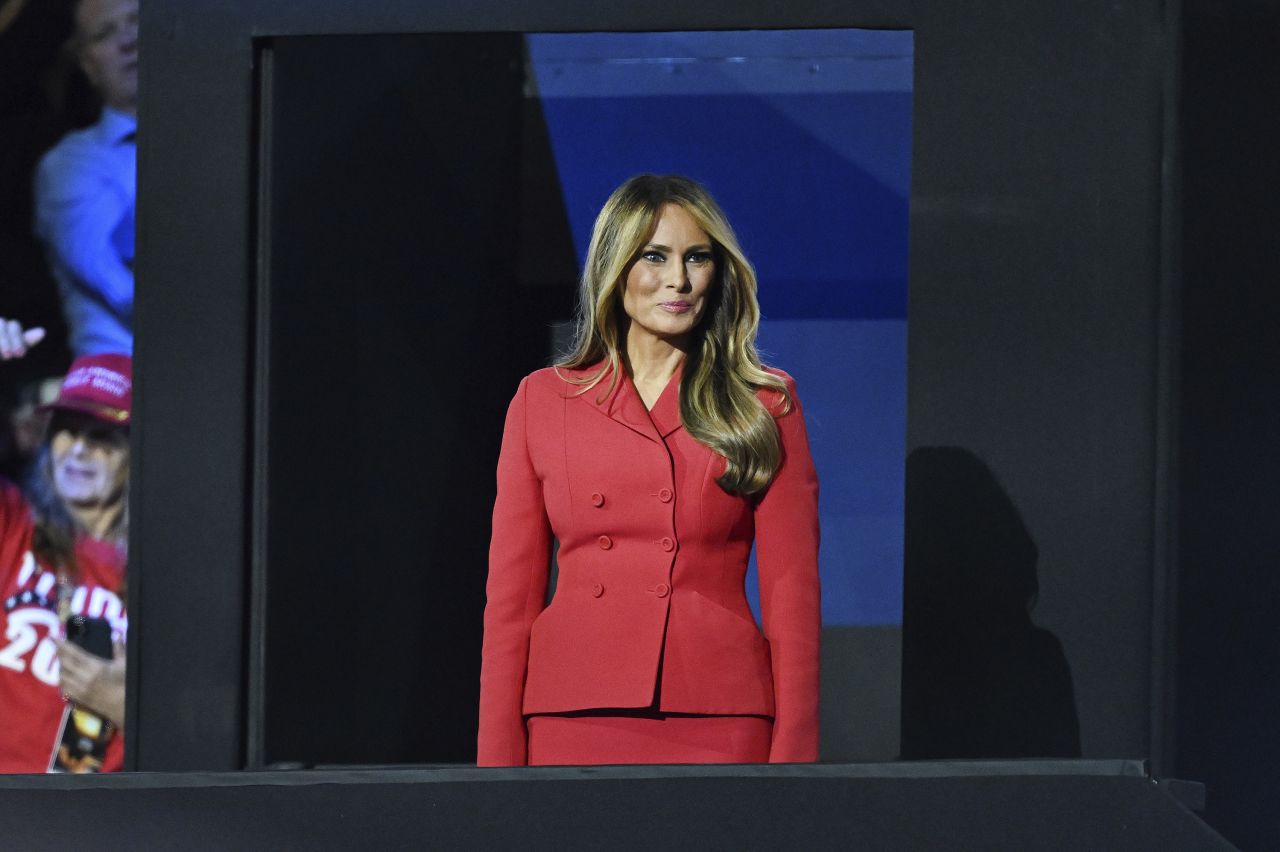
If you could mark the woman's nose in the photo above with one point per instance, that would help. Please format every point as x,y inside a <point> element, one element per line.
<point>679,277</point>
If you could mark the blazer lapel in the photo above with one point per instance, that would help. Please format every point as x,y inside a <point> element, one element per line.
<point>665,413</point>
<point>626,407</point>
<point>623,405</point>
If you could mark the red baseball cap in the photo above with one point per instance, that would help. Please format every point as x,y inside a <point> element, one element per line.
<point>98,385</point>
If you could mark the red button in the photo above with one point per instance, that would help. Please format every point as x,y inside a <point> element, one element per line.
<point>605,542</point>
<point>665,495</point>
<point>667,545</point>
<point>597,499</point>
<point>597,590</point>
<point>661,590</point>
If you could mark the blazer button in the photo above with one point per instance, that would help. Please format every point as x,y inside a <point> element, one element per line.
<point>605,542</point>
<point>665,495</point>
<point>667,544</point>
<point>661,590</point>
<point>597,499</point>
<point>597,590</point>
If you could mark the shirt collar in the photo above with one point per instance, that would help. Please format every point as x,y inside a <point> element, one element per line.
<point>114,125</point>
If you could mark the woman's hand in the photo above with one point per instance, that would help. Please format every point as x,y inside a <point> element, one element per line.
<point>93,682</point>
<point>15,340</point>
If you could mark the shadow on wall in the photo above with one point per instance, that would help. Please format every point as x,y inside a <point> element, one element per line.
<point>979,679</point>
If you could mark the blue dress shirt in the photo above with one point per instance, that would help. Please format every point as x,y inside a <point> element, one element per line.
<point>85,190</point>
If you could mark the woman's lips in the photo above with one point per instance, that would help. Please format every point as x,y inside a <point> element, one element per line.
<point>676,307</point>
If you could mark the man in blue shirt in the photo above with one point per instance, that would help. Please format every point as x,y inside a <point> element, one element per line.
<point>86,187</point>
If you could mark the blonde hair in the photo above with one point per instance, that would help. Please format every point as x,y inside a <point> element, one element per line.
<point>722,373</point>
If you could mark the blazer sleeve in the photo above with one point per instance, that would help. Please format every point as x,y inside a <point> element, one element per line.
<point>790,606</point>
<point>519,561</point>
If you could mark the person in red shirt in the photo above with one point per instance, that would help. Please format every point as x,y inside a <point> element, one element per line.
<point>654,455</point>
<point>62,556</point>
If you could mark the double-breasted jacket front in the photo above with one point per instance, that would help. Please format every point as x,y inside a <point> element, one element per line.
<point>649,601</point>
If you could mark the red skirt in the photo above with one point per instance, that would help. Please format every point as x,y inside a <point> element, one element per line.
<point>593,739</point>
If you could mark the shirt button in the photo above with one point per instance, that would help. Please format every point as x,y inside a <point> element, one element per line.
<point>605,542</point>
<point>597,499</point>
<point>665,495</point>
<point>661,590</point>
<point>667,545</point>
<point>597,590</point>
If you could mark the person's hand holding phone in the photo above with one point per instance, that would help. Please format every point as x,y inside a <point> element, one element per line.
<point>94,682</point>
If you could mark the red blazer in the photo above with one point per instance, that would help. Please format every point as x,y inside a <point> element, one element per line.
<point>652,555</point>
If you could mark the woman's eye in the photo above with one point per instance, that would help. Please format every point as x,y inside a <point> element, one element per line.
<point>699,257</point>
<point>653,256</point>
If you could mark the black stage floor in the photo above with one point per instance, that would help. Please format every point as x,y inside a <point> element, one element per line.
<point>1068,805</point>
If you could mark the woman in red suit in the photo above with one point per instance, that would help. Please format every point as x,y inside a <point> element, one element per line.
<point>655,455</point>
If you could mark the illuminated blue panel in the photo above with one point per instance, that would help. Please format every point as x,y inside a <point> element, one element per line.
<point>805,139</point>
<point>852,380</point>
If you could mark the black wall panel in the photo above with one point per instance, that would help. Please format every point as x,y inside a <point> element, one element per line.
<point>396,335</point>
<point>1038,325</point>
<point>1228,695</point>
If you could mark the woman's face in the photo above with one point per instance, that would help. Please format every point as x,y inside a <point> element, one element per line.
<point>668,284</point>
<point>90,459</point>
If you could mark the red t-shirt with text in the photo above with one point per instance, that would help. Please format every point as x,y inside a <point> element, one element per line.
<point>31,705</point>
